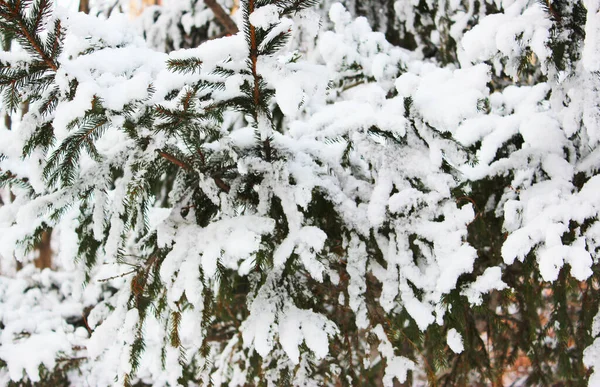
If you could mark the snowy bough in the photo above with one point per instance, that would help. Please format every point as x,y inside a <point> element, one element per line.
<point>286,205</point>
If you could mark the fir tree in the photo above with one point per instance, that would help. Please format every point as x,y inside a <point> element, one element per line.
<point>247,214</point>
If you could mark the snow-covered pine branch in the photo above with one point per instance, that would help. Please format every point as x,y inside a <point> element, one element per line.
<point>289,205</point>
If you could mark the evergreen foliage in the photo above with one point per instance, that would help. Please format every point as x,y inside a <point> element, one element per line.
<point>282,206</point>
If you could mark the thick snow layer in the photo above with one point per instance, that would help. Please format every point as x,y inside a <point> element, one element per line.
<point>506,35</point>
<point>455,341</point>
<point>265,16</point>
<point>488,281</point>
<point>444,97</point>
<point>397,367</point>
<point>591,359</point>
<point>381,138</point>
<point>37,310</point>
<point>591,48</point>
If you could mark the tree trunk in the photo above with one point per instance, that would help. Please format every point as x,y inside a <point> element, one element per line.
<point>44,260</point>
<point>84,6</point>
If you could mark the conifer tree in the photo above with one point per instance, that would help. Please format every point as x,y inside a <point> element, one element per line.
<point>284,206</point>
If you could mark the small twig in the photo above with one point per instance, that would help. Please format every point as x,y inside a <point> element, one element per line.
<point>221,184</point>
<point>72,359</point>
<point>477,212</point>
<point>202,157</point>
<point>112,8</point>
<point>174,160</point>
<point>218,181</point>
<point>117,276</point>
<point>254,58</point>
<point>555,14</point>
<point>352,85</point>
<point>129,264</point>
<point>86,324</point>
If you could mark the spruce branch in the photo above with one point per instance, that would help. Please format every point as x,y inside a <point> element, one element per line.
<point>294,6</point>
<point>254,52</point>
<point>181,164</point>
<point>13,18</point>
<point>253,56</point>
<point>7,178</point>
<point>62,163</point>
<point>54,38</point>
<point>184,66</point>
<point>40,10</point>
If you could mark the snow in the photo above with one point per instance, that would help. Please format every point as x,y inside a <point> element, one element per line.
<point>297,326</point>
<point>507,34</point>
<point>34,312</point>
<point>444,97</point>
<point>305,243</point>
<point>486,282</point>
<point>591,359</point>
<point>265,16</point>
<point>259,328</point>
<point>421,312</point>
<point>379,199</point>
<point>455,341</point>
<point>289,96</point>
<point>215,52</point>
<point>203,247</point>
<point>397,367</point>
<point>591,48</point>
<point>365,137</point>
<point>26,355</point>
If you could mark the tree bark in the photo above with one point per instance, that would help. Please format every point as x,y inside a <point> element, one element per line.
<point>84,6</point>
<point>222,17</point>
<point>44,260</point>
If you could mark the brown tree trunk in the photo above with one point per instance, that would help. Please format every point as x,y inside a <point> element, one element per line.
<point>84,6</point>
<point>44,260</point>
<point>222,17</point>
